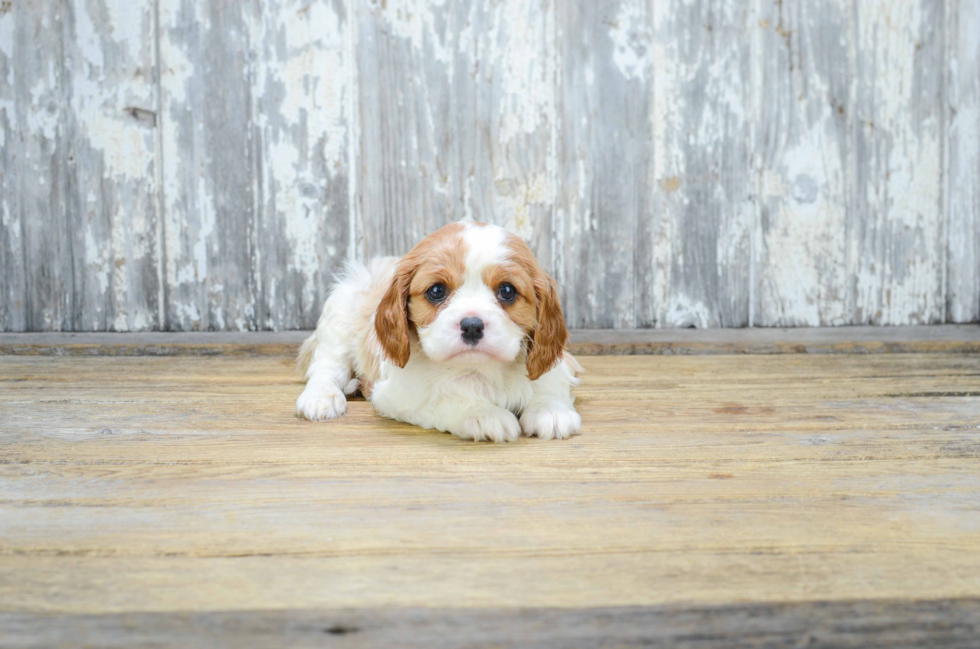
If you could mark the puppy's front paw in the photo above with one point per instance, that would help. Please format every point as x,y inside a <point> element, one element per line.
<point>496,425</point>
<point>321,405</point>
<point>545,422</point>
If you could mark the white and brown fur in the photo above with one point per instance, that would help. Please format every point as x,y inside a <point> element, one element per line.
<point>381,334</point>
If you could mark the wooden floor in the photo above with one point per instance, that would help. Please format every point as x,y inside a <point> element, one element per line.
<point>165,495</point>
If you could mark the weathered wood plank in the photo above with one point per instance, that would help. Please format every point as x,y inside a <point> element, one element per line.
<point>456,108</point>
<point>803,150</point>
<point>896,229</point>
<point>945,339</point>
<point>605,218</point>
<point>703,195</point>
<point>37,229</point>
<point>209,156</point>
<point>963,142</point>
<point>111,198</point>
<point>673,163</point>
<point>13,288</point>
<point>188,485</point>
<point>898,624</point>
<point>300,71</point>
<point>79,203</point>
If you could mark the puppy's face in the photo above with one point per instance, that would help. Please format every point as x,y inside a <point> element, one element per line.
<point>473,293</point>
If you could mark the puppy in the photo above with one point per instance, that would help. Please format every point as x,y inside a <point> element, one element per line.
<point>463,334</point>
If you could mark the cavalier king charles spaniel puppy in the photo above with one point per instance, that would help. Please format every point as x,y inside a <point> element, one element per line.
<point>463,334</point>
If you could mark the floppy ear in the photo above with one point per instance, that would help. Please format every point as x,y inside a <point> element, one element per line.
<point>391,318</point>
<point>550,334</point>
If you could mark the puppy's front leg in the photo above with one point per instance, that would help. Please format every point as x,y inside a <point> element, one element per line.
<point>323,398</point>
<point>551,413</point>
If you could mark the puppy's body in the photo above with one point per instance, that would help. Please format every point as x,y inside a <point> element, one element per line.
<point>463,334</point>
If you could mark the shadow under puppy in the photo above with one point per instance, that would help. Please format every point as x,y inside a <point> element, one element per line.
<point>463,334</point>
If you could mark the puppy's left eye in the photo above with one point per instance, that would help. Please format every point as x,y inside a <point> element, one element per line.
<point>506,293</point>
<point>436,293</point>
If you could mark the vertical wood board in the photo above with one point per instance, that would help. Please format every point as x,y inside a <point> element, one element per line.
<point>703,195</point>
<point>456,105</point>
<point>300,75</point>
<point>605,154</point>
<point>963,181</point>
<point>208,155</point>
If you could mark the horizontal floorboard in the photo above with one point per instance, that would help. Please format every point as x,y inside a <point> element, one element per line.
<point>589,342</point>
<point>940,624</point>
<point>711,500</point>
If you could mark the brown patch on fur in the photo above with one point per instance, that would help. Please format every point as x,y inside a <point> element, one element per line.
<point>367,362</point>
<point>523,310</point>
<point>550,334</point>
<point>437,258</point>
<point>442,263</point>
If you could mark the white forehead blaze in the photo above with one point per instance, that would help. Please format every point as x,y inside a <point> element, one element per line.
<point>484,247</point>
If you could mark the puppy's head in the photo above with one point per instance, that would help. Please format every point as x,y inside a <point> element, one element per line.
<point>473,293</point>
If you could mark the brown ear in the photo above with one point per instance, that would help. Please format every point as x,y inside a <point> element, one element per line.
<point>550,334</point>
<point>391,318</point>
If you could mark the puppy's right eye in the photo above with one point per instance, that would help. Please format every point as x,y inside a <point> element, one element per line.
<point>436,293</point>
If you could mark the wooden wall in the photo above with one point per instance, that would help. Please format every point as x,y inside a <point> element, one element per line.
<point>208,164</point>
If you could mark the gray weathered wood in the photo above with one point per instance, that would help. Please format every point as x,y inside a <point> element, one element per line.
<point>605,215</point>
<point>13,289</point>
<point>209,157</point>
<point>111,163</point>
<point>802,148</point>
<point>456,105</point>
<point>37,151</point>
<point>934,339</point>
<point>704,183</point>
<point>896,236</point>
<point>897,624</point>
<point>79,213</point>
<point>963,172</point>
<point>209,166</point>
<point>300,68</point>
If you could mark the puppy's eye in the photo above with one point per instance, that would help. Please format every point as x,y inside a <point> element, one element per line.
<point>436,293</point>
<point>506,293</point>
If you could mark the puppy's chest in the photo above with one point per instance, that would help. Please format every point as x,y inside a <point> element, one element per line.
<point>507,389</point>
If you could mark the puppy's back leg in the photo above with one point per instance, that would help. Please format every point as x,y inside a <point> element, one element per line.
<point>326,356</point>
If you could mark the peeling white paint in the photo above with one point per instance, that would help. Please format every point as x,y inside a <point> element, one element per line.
<point>901,284</point>
<point>7,25</point>
<point>415,21</point>
<point>852,234</point>
<point>963,229</point>
<point>518,200</point>
<point>525,76</point>
<point>40,119</point>
<point>631,37</point>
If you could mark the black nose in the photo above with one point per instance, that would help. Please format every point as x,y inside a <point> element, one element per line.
<point>472,329</point>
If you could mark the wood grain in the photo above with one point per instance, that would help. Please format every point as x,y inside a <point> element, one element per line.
<point>804,149</point>
<point>456,106</point>
<point>187,484</point>
<point>77,234</point>
<point>702,165</point>
<point>605,216</point>
<point>896,227</point>
<point>941,624</point>
<point>945,339</point>
<point>708,164</point>
<point>209,156</point>
<point>963,174</point>
<point>300,70</point>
